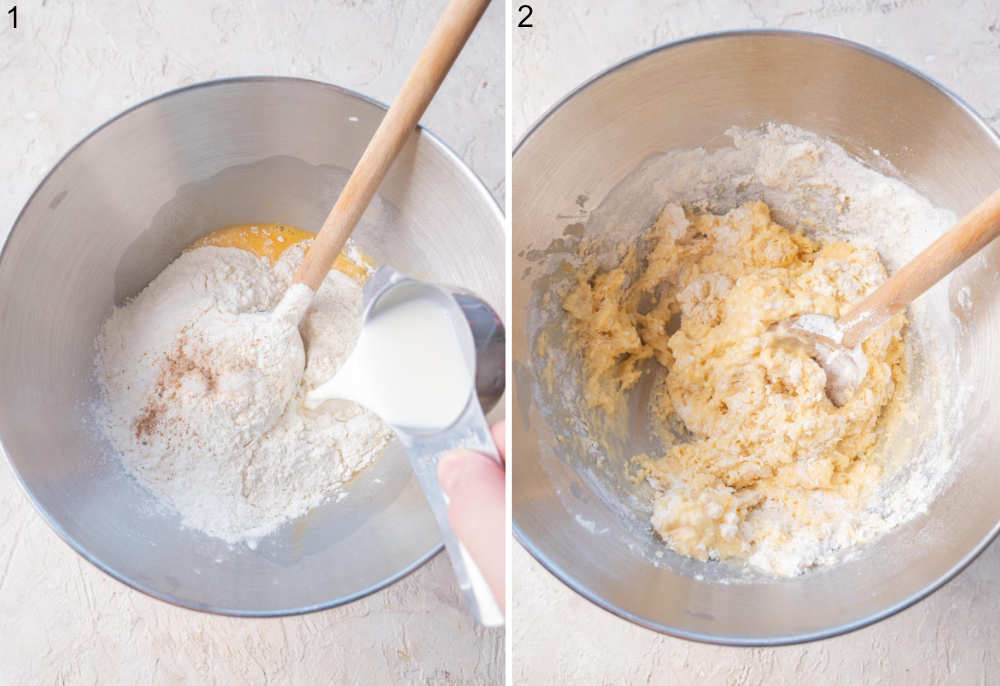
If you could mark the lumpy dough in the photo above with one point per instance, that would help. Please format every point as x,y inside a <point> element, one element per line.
<point>766,462</point>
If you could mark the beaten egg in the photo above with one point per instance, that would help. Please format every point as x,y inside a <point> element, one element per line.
<point>270,240</point>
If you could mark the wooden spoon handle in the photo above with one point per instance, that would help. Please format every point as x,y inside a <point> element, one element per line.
<point>450,34</point>
<point>939,259</point>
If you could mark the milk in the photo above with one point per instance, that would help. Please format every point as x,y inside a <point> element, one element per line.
<point>408,366</point>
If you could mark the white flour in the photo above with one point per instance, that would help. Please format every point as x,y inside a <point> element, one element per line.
<point>813,184</point>
<point>235,457</point>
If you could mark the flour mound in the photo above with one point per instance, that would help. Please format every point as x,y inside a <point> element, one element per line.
<point>229,447</point>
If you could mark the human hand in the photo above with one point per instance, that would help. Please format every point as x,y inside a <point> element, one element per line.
<point>475,485</point>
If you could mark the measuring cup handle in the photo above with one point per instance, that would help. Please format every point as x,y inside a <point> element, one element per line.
<point>470,432</point>
<point>480,439</point>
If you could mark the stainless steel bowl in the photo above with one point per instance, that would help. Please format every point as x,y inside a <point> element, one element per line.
<point>685,95</point>
<point>117,209</point>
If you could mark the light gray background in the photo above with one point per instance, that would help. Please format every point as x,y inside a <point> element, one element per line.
<point>950,638</point>
<point>68,67</point>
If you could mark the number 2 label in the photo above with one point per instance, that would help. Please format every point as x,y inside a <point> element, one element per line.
<point>523,24</point>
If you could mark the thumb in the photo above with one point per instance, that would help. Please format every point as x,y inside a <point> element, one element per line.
<point>475,487</point>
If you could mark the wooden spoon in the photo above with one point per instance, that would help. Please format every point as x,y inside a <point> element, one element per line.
<point>451,33</point>
<point>835,344</point>
<point>277,379</point>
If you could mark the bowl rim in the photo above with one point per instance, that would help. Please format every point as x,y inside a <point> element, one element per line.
<point>565,575</point>
<point>437,142</point>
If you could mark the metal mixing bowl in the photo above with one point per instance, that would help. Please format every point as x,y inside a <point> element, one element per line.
<point>114,212</point>
<point>686,95</point>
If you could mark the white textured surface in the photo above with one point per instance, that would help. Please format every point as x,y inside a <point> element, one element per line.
<point>68,67</point>
<point>949,638</point>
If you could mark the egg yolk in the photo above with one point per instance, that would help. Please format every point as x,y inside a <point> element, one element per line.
<point>270,240</point>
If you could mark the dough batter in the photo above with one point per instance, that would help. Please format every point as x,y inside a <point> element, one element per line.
<point>766,462</point>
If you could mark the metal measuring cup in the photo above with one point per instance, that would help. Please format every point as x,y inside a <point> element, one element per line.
<point>482,338</point>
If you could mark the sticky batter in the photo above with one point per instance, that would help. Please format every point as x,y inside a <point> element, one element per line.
<point>763,461</point>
